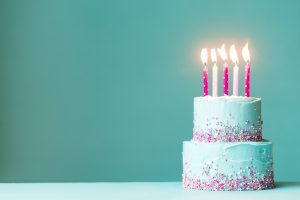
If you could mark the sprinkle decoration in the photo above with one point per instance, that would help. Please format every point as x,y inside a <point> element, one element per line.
<point>218,131</point>
<point>246,179</point>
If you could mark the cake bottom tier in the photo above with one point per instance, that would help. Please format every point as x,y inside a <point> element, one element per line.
<point>228,166</point>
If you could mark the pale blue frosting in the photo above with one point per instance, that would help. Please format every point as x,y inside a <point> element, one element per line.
<point>227,151</point>
<point>233,160</point>
<point>239,114</point>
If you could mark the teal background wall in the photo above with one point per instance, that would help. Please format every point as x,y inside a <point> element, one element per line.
<point>103,90</point>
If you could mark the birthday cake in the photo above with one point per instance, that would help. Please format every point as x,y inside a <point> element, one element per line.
<point>227,151</point>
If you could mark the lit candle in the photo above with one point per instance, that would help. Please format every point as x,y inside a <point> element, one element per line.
<point>223,55</point>
<point>205,72</point>
<point>246,56</point>
<point>234,58</point>
<point>213,54</point>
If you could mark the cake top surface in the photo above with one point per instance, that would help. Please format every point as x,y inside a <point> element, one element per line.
<point>240,99</point>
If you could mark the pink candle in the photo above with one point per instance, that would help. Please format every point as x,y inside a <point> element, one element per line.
<point>225,79</point>
<point>205,71</point>
<point>205,81</point>
<point>247,80</point>
<point>223,55</point>
<point>246,56</point>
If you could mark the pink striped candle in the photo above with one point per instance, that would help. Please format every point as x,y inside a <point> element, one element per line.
<point>246,56</point>
<point>205,80</point>
<point>247,80</point>
<point>204,57</point>
<point>225,79</point>
<point>223,55</point>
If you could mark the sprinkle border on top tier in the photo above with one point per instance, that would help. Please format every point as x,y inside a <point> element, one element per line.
<point>218,131</point>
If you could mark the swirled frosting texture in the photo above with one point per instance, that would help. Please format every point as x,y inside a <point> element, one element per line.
<point>227,119</point>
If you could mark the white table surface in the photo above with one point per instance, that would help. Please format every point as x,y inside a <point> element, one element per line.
<point>137,190</point>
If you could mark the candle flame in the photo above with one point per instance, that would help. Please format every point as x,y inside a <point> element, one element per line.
<point>222,52</point>
<point>233,54</point>
<point>245,53</point>
<point>213,55</point>
<point>204,55</point>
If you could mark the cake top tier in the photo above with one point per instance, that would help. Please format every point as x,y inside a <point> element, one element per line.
<point>227,119</point>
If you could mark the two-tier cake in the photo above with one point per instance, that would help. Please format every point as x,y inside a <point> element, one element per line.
<point>227,151</point>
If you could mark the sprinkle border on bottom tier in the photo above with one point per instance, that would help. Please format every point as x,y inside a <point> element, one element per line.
<point>239,182</point>
<point>229,184</point>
